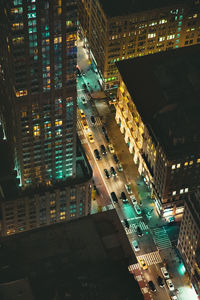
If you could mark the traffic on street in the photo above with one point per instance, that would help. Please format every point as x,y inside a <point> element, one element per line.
<point>117,185</point>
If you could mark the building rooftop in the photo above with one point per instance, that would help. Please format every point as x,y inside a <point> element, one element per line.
<point>166,91</point>
<point>86,258</point>
<point>113,8</point>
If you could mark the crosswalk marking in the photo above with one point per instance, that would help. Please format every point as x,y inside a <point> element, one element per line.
<point>151,258</point>
<point>97,123</point>
<point>161,238</point>
<point>133,267</point>
<point>133,227</point>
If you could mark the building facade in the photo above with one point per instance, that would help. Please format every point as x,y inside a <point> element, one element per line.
<point>115,32</point>
<point>30,208</point>
<point>189,238</point>
<point>159,124</point>
<point>41,46</point>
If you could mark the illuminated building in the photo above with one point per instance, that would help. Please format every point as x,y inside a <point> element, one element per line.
<point>117,30</point>
<point>189,238</point>
<point>158,114</point>
<point>41,46</point>
<point>35,207</point>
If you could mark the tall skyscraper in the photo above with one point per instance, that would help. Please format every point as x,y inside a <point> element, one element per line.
<point>41,46</point>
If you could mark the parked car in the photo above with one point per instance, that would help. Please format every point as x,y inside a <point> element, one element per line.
<point>115,158</point>
<point>111,149</point>
<point>135,245</point>
<point>126,223</point>
<point>93,119</point>
<point>113,172</point>
<point>142,263</point>
<point>107,138</point>
<point>107,175</point>
<point>119,168</point>
<point>152,286</point>
<point>137,209</point>
<point>114,197</point>
<point>133,199</point>
<point>128,188</point>
<point>124,198</point>
<point>170,284</point>
<point>139,231</point>
<point>164,272</point>
<point>97,155</point>
<point>103,149</point>
<point>173,297</point>
<point>103,129</point>
<point>160,281</point>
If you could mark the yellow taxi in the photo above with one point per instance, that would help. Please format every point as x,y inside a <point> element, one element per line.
<point>84,123</point>
<point>142,263</point>
<point>90,138</point>
<point>111,149</point>
<point>82,114</point>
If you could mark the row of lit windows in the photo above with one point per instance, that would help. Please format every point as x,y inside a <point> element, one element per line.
<point>187,163</point>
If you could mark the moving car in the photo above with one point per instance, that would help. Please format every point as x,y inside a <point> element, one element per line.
<point>114,197</point>
<point>119,168</point>
<point>84,101</point>
<point>84,86</point>
<point>152,286</point>
<point>170,284</point>
<point>133,199</point>
<point>97,155</point>
<point>137,209</point>
<point>160,281</point>
<point>106,173</point>
<point>164,272</point>
<point>93,119</point>
<point>139,231</point>
<point>124,198</point>
<point>128,188</point>
<point>84,123</point>
<point>90,138</point>
<point>82,114</point>
<point>126,223</point>
<point>135,245</point>
<point>113,172</point>
<point>111,149</point>
<point>142,263</point>
<point>115,158</point>
<point>103,149</point>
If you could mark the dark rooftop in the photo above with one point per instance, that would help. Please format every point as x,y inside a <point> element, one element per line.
<point>86,258</point>
<point>166,91</point>
<point>113,8</point>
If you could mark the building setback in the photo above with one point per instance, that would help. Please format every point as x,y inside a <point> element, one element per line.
<point>40,39</point>
<point>118,30</point>
<point>189,238</point>
<point>158,113</point>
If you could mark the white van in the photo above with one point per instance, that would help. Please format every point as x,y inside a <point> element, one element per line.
<point>164,272</point>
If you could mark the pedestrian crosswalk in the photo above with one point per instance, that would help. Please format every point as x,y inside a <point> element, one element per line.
<point>133,227</point>
<point>133,267</point>
<point>151,258</point>
<point>161,238</point>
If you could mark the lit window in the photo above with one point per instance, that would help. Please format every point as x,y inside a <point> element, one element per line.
<point>181,191</point>
<point>58,123</point>
<point>191,162</point>
<point>151,35</point>
<point>171,36</point>
<point>173,167</point>
<point>178,165</point>
<point>186,190</point>
<point>186,163</point>
<point>198,160</point>
<point>162,38</point>
<point>174,193</point>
